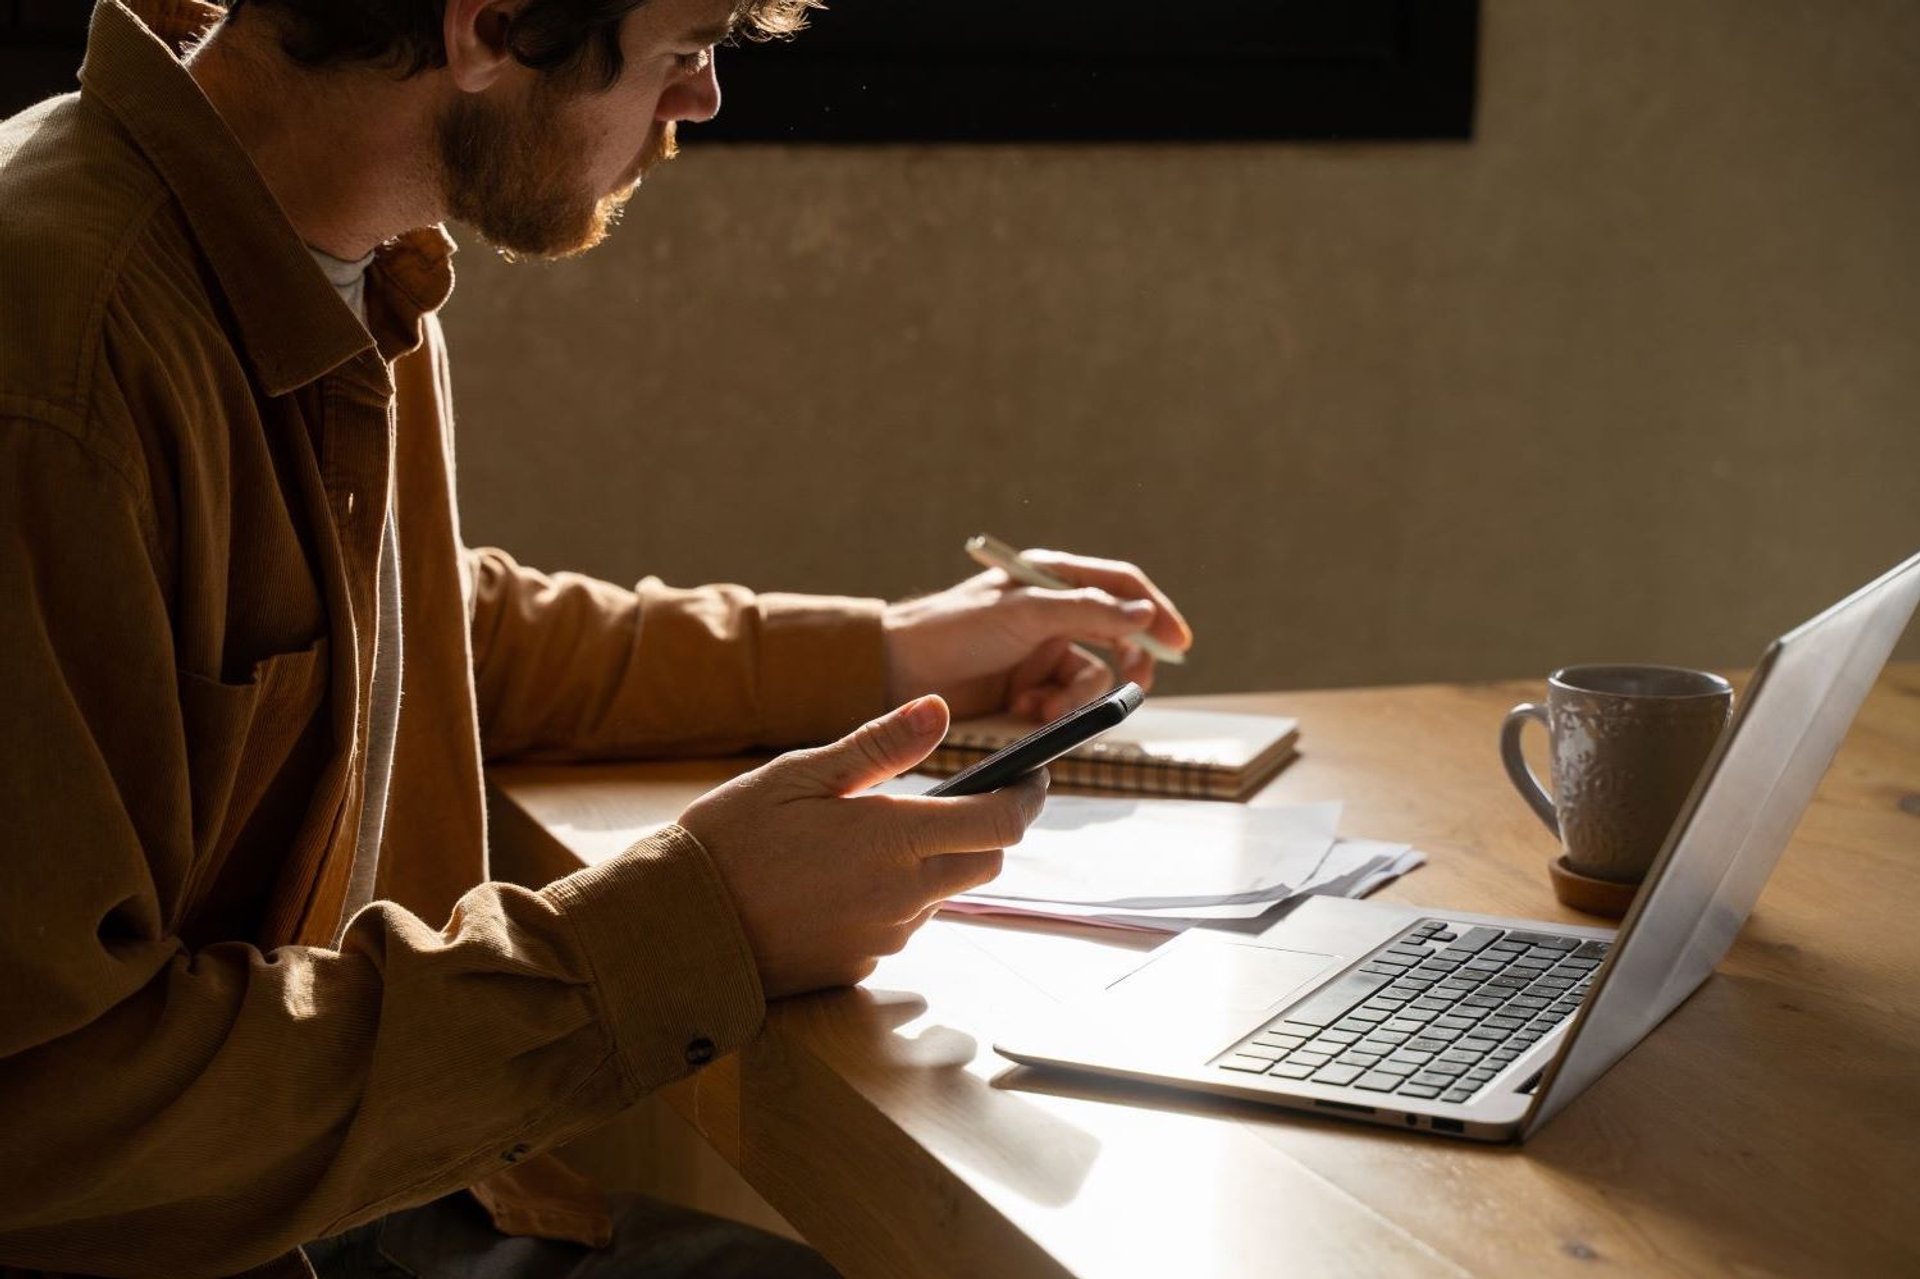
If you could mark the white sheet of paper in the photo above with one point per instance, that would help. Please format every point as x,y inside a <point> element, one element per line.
<point>1149,852</point>
<point>1375,872</point>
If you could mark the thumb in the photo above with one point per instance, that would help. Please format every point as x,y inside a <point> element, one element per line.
<point>880,748</point>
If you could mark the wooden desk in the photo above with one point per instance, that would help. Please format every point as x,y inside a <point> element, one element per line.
<point>1771,1126</point>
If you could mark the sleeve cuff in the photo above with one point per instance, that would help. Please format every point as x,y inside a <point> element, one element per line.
<point>822,665</point>
<point>676,980</point>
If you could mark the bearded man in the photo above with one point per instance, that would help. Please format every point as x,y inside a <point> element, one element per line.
<point>257,991</point>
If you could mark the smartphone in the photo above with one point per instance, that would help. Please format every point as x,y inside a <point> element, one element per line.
<point>1045,744</point>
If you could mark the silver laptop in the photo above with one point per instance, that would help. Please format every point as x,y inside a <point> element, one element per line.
<point>1474,1025</point>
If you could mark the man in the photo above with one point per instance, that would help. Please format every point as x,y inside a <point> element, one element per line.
<point>255,989</point>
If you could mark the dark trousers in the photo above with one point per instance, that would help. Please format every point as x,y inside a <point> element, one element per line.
<point>452,1238</point>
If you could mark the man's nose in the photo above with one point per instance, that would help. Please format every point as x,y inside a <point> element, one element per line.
<point>693,101</point>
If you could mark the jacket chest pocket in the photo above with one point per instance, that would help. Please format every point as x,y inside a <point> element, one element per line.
<point>242,740</point>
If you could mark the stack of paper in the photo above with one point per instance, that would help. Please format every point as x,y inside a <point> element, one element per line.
<point>1166,864</point>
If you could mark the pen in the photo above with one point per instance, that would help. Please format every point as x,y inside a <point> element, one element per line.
<point>994,553</point>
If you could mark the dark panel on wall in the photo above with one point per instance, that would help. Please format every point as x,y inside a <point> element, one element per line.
<point>1014,70</point>
<point>41,42</point>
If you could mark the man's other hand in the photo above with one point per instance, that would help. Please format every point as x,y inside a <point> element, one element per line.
<point>989,644</point>
<point>827,880</point>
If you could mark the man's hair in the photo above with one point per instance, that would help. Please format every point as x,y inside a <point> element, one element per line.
<point>578,38</point>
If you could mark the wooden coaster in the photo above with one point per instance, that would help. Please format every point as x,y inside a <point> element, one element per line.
<point>1584,892</point>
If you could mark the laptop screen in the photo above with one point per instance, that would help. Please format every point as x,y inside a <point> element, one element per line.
<point>1728,838</point>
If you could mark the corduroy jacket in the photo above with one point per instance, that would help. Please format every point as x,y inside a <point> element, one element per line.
<point>198,444</point>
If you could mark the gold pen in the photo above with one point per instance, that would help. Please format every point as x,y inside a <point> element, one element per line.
<point>991,552</point>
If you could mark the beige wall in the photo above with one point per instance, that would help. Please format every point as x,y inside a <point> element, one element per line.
<point>1634,374</point>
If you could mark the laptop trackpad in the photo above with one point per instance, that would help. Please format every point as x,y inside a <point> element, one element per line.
<point>1174,1012</point>
<point>1206,981</point>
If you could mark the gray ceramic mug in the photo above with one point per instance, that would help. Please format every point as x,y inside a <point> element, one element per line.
<point>1627,743</point>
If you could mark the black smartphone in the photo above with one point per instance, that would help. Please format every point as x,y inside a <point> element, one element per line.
<point>1045,744</point>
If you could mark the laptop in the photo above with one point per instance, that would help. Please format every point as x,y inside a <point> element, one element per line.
<point>1474,1025</point>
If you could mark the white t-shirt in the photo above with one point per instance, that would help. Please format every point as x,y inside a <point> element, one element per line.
<point>383,714</point>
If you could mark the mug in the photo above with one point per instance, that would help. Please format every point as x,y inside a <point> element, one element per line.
<point>1627,744</point>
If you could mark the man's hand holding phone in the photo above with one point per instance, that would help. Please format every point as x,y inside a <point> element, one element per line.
<point>827,880</point>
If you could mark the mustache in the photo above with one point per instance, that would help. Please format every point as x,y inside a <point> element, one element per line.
<point>662,145</point>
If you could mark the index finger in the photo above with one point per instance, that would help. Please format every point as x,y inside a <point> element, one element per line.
<point>1117,577</point>
<point>932,826</point>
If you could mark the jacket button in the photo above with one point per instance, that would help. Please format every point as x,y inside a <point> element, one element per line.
<point>700,1052</point>
<point>518,1153</point>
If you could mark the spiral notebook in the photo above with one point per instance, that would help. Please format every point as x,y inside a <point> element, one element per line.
<point>1160,750</point>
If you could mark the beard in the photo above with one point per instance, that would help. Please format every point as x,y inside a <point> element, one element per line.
<point>514,176</point>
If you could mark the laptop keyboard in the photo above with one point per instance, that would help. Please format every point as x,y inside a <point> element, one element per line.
<point>1438,1013</point>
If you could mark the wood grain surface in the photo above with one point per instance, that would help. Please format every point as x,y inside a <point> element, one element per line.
<point>1771,1126</point>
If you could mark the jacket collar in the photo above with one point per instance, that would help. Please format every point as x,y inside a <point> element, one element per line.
<point>292,325</point>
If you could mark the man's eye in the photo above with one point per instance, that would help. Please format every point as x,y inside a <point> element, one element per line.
<point>690,63</point>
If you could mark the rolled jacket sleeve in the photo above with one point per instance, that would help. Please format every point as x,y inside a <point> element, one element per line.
<point>200,1110</point>
<point>568,667</point>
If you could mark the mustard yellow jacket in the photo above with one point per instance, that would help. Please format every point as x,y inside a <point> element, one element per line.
<point>197,445</point>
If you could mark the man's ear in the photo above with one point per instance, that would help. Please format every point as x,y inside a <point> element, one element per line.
<point>475,36</point>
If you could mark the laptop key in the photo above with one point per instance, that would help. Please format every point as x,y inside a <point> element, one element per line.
<point>1292,1070</point>
<point>1454,1022</point>
<point>1338,1074</point>
<point>1477,939</point>
<point>1245,1064</point>
<point>1328,1004</point>
<point>1261,1051</point>
<point>1334,1035</point>
<point>1592,950</point>
<point>1366,1061</point>
<point>1374,1081</point>
<point>1268,1039</point>
<point>1303,1058</point>
<point>1421,1091</point>
<point>1543,939</point>
<point>1458,1094</point>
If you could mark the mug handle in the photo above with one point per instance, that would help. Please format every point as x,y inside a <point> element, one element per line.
<point>1517,770</point>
